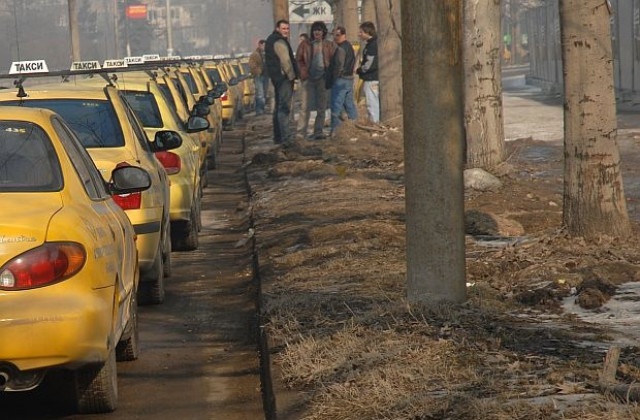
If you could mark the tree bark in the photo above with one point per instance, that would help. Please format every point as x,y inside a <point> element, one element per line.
<point>73,30</point>
<point>349,15</point>
<point>389,59</point>
<point>433,139</point>
<point>280,10</point>
<point>483,84</point>
<point>594,199</point>
<point>336,10</point>
<point>369,12</point>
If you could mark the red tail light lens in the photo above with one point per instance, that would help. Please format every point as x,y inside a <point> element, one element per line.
<point>50,263</point>
<point>224,97</point>
<point>170,161</point>
<point>128,201</point>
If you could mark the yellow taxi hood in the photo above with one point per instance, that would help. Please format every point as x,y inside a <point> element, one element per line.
<point>107,158</point>
<point>24,224</point>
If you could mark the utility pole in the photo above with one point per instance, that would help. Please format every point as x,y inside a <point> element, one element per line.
<point>126,28</point>
<point>73,30</point>
<point>116,28</point>
<point>169,30</point>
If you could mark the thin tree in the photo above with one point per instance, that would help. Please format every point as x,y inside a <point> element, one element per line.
<point>368,12</point>
<point>350,19</point>
<point>74,32</point>
<point>280,10</point>
<point>433,141</point>
<point>483,84</point>
<point>594,200</point>
<point>389,59</point>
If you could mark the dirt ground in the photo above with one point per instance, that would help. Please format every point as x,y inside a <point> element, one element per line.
<point>330,237</point>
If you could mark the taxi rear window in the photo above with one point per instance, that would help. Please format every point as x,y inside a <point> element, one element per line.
<point>28,161</point>
<point>146,108</point>
<point>214,74</point>
<point>167,94</point>
<point>190,82</point>
<point>94,121</point>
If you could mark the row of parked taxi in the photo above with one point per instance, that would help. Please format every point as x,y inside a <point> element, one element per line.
<point>102,169</point>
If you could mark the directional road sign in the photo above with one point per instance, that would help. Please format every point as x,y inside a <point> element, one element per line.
<point>308,11</point>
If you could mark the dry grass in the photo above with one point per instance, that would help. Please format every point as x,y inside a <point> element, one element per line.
<point>330,234</point>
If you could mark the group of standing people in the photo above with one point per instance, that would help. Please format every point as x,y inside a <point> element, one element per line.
<point>326,70</point>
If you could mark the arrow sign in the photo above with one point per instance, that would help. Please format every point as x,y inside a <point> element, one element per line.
<point>301,11</point>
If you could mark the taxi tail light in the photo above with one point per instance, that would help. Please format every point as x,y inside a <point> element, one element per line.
<point>224,97</point>
<point>128,201</point>
<point>171,162</point>
<point>50,263</point>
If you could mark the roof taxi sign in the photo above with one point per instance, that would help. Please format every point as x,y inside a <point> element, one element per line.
<point>134,60</point>
<point>114,64</point>
<point>28,67</point>
<point>85,65</point>
<point>151,57</point>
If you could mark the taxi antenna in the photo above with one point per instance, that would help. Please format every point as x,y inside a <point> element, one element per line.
<point>21,93</point>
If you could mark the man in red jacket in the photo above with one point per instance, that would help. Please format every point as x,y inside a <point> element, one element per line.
<point>313,59</point>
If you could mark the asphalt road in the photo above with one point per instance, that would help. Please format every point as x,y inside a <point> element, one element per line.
<point>199,356</point>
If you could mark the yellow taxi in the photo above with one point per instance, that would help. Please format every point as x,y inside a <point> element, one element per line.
<point>68,261</point>
<point>249,86</point>
<point>182,164</point>
<point>232,105</point>
<point>198,88</point>
<point>113,136</point>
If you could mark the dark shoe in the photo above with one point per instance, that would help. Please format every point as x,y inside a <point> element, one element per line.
<point>319,136</point>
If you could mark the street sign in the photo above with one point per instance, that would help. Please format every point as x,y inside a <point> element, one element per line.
<point>308,11</point>
<point>137,11</point>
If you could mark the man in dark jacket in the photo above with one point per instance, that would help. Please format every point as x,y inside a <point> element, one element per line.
<point>314,58</point>
<point>368,70</point>
<point>340,79</point>
<point>282,70</point>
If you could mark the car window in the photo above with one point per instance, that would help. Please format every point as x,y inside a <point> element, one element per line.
<point>138,131</point>
<point>167,94</point>
<point>94,121</point>
<point>145,107</point>
<point>28,161</point>
<point>214,74</point>
<point>245,66</point>
<point>79,160</point>
<point>177,85</point>
<point>190,81</point>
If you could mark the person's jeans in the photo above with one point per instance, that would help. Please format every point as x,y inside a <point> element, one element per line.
<point>371,89</point>
<point>342,98</point>
<point>261,92</point>
<point>303,114</point>
<point>317,97</point>
<point>281,129</point>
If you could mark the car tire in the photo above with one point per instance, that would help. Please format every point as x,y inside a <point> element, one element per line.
<point>186,233</point>
<point>129,348</point>
<point>151,288</point>
<point>211,164</point>
<point>97,387</point>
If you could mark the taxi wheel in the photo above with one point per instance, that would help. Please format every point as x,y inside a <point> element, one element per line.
<point>206,165</point>
<point>212,162</point>
<point>97,387</point>
<point>129,349</point>
<point>151,290</point>
<point>186,234</point>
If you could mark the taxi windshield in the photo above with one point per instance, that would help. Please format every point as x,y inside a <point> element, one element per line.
<point>94,121</point>
<point>145,106</point>
<point>28,162</point>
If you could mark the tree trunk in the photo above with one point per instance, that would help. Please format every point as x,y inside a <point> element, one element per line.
<point>369,12</point>
<point>482,84</point>
<point>594,200</point>
<point>433,139</point>
<point>349,14</point>
<point>336,10</point>
<point>280,10</point>
<point>389,60</point>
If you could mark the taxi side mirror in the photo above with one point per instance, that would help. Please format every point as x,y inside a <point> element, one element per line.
<point>196,124</point>
<point>166,140</point>
<point>206,99</point>
<point>200,110</point>
<point>214,93</point>
<point>233,81</point>
<point>128,179</point>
